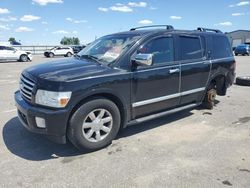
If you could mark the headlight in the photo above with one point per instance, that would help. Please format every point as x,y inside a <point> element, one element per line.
<point>52,99</point>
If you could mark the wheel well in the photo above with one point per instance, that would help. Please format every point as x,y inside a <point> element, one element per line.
<point>108,96</point>
<point>220,84</point>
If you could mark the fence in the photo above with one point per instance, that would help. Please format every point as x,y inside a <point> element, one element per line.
<point>36,49</point>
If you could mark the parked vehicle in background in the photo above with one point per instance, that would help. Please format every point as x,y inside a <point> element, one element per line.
<point>122,79</point>
<point>15,43</point>
<point>77,49</point>
<point>243,49</point>
<point>9,53</point>
<point>59,51</point>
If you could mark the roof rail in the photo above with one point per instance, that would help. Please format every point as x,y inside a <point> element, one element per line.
<point>208,30</point>
<point>150,26</point>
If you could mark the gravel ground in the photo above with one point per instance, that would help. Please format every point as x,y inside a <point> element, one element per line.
<point>197,148</point>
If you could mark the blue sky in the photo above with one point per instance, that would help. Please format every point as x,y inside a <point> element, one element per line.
<point>47,21</point>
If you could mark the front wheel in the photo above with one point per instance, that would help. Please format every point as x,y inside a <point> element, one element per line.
<point>68,54</point>
<point>24,58</point>
<point>94,124</point>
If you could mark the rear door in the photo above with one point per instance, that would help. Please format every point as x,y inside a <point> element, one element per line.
<point>195,67</point>
<point>2,53</point>
<point>155,88</point>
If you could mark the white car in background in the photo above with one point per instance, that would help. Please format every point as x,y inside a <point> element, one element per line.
<point>59,51</point>
<point>9,53</point>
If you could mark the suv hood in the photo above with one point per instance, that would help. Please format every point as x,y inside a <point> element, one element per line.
<point>69,69</point>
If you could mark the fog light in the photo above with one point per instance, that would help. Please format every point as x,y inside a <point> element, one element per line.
<point>40,122</point>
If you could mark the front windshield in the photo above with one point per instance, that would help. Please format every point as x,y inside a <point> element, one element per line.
<point>107,49</point>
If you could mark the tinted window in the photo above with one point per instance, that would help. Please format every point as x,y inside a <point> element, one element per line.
<point>161,48</point>
<point>221,47</point>
<point>190,48</point>
<point>2,48</point>
<point>9,48</point>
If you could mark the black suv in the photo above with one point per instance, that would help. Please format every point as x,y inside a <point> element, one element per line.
<point>122,79</point>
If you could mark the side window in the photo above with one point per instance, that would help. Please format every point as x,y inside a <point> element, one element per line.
<point>221,47</point>
<point>2,48</point>
<point>161,48</point>
<point>9,48</point>
<point>190,48</point>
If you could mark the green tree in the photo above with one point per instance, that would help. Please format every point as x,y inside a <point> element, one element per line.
<point>12,39</point>
<point>70,41</point>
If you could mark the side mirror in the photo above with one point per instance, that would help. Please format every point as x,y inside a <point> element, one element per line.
<point>143,59</point>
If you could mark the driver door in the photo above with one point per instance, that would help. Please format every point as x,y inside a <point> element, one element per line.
<point>155,88</point>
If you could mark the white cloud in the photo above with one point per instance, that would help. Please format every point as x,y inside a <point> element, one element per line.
<point>4,11</point>
<point>76,21</point>
<point>139,4</point>
<point>103,9</point>
<point>24,29</point>
<point>242,3</point>
<point>145,22</point>
<point>60,32</point>
<point>175,17</point>
<point>225,24</point>
<point>123,8</point>
<point>8,19</point>
<point>75,32</point>
<point>238,14</point>
<point>153,8</point>
<point>45,2</point>
<point>69,19</point>
<point>4,27</point>
<point>29,18</point>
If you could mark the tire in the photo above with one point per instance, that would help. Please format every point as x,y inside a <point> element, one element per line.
<point>51,55</point>
<point>243,80</point>
<point>68,54</point>
<point>24,58</point>
<point>210,96</point>
<point>85,122</point>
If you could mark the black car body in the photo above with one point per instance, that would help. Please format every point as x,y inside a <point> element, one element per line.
<point>243,49</point>
<point>193,67</point>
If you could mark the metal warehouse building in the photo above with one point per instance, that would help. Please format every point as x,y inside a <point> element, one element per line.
<point>239,37</point>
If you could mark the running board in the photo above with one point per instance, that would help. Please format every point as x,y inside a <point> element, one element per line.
<point>150,117</point>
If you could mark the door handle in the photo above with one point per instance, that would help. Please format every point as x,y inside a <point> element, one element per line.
<point>171,71</point>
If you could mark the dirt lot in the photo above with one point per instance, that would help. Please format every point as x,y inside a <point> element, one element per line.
<point>197,148</point>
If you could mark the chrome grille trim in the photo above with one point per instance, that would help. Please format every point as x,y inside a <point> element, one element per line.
<point>26,87</point>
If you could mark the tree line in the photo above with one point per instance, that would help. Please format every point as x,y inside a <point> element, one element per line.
<point>64,40</point>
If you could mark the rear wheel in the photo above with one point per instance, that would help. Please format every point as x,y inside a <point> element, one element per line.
<point>24,58</point>
<point>51,55</point>
<point>210,97</point>
<point>94,124</point>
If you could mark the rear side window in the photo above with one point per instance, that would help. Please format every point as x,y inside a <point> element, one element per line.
<point>221,47</point>
<point>190,48</point>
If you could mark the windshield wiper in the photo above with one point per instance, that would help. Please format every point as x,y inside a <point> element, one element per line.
<point>91,57</point>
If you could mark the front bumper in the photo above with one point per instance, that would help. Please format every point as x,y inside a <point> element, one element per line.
<point>30,57</point>
<point>56,120</point>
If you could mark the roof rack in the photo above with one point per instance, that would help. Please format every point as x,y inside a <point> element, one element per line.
<point>208,30</point>
<point>150,26</point>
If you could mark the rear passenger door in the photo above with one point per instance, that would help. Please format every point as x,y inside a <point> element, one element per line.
<point>195,67</point>
<point>3,53</point>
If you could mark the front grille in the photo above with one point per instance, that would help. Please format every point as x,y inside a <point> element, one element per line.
<point>26,87</point>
